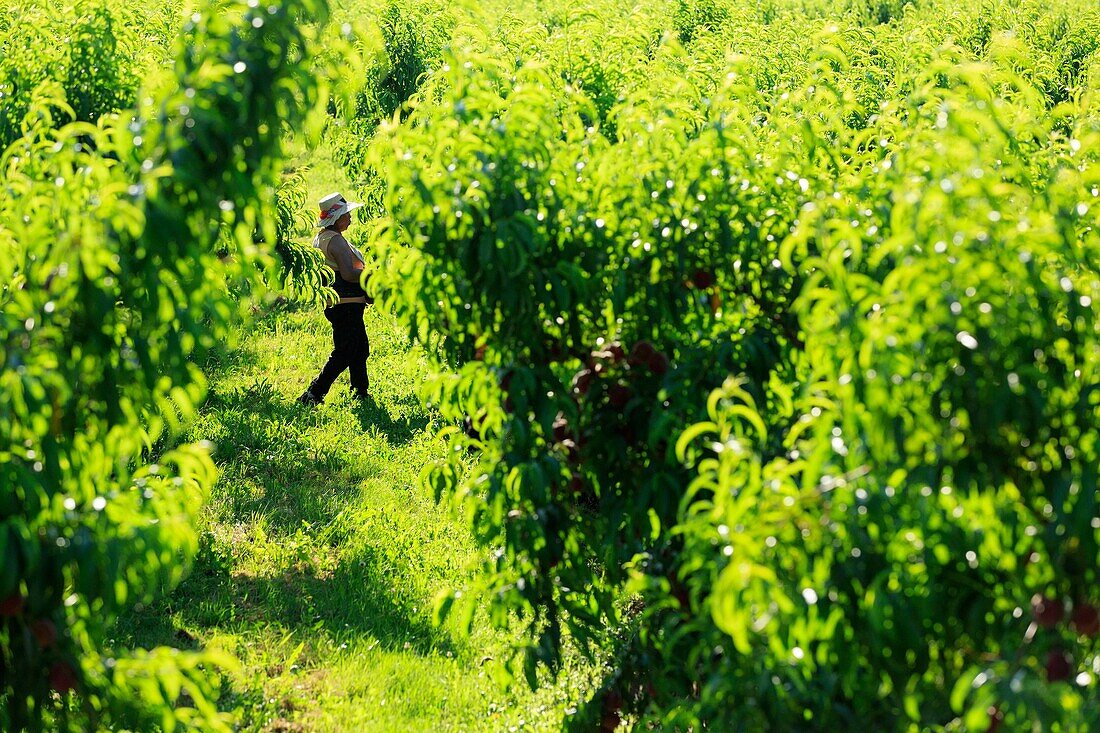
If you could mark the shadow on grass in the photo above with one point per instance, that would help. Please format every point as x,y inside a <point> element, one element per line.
<point>276,466</point>
<point>411,420</point>
<point>273,469</point>
<point>269,469</point>
<point>353,599</point>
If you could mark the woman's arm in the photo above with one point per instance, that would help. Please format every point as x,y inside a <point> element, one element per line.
<point>350,266</point>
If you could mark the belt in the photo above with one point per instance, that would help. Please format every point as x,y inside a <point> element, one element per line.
<point>341,301</point>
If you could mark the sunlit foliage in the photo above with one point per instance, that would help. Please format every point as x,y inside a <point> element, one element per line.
<point>127,225</point>
<point>771,330</point>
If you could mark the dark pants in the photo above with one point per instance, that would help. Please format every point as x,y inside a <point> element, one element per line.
<point>350,349</point>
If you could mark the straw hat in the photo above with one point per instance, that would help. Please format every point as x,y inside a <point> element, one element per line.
<point>333,207</point>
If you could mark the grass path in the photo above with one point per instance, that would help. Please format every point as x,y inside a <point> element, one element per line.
<point>321,555</point>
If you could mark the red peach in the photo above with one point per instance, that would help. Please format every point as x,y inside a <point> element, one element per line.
<point>582,380</point>
<point>561,429</point>
<point>658,364</point>
<point>702,279</point>
<point>642,352</point>
<point>618,395</point>
<point>63,677</point>
<point>1085,619</point>
<point>1059,666</point>
<point>12,605</point>
<point>45,633</point>
<point>1048,612</point>
<point>996,717</point>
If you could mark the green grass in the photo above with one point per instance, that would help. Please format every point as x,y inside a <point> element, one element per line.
<point>321,555</point>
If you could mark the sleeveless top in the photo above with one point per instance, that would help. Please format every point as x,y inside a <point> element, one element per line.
<point>343,288</point>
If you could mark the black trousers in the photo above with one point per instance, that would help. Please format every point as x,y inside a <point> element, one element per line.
<point>350,349</point>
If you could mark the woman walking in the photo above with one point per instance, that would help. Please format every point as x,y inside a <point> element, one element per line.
<point>350,347</point>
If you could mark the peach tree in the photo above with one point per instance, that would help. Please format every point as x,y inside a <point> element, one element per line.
<point>777,377</point>
<point>113,289</point>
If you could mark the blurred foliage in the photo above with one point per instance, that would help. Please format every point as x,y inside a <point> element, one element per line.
<point>123,234</point>
<point>97,52</point>
<point>768,334</point>
<point>302,272</point>
<point>398,43</point>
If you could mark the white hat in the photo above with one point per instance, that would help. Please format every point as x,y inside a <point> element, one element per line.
<point>333,207</point>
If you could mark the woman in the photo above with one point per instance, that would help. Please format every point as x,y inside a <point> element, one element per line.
<point>350,347</point>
